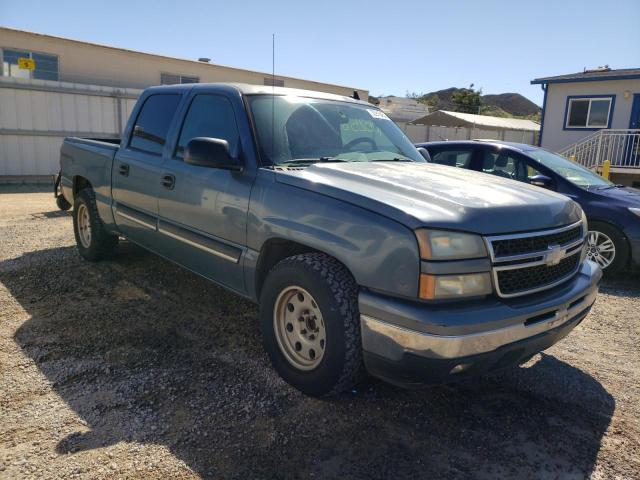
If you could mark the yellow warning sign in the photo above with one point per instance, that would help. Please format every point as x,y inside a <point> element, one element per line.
<point>26,63</point>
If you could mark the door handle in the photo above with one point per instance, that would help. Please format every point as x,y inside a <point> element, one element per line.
<point>168,181</point>
<point>123,169</point>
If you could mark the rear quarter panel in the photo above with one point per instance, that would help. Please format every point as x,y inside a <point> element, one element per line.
<point>92,160</point>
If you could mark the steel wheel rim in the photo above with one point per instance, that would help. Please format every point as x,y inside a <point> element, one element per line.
<point>299,328</point>
<point>84,226</point>
<point>600,248</point>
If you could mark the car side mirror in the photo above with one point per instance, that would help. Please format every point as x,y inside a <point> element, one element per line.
<point>541,181</point>
<point>425,153</point>
<point>212,153</point>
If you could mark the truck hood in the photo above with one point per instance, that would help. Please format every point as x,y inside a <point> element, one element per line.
<point>421,194</point>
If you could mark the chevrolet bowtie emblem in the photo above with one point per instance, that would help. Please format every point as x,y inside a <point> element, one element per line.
<point>554,255</point>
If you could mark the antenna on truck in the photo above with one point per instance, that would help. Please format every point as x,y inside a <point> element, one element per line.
<point>273,93</point>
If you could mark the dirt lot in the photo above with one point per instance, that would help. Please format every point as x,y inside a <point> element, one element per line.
<point>136,368</point>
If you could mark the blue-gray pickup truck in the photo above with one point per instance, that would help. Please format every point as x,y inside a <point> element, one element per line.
<point>362,256</point>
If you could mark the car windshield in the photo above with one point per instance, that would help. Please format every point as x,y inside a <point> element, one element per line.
<point>575,173</point>
<point>298,130</point>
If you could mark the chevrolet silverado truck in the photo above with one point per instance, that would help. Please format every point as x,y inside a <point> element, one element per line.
<point>361,256</point>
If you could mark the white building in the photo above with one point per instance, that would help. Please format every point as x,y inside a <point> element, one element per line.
<point>446,125</point>
<point>52,87</point>
<point>401,109</point>
<point>594,116</point>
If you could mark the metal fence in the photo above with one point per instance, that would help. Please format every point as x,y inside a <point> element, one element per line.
<point>36,115</point>
<point>620,147</point>
<point>432,133</point>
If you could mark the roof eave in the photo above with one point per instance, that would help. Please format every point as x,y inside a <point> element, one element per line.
<point>539,81</point>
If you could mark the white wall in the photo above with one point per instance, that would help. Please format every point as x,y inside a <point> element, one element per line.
<point>430,133</point>
<point>36,115</point>
<point>554,137</point>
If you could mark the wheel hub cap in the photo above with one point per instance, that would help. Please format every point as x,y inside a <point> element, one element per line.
<point>600,248</point>
<point>84,226</point>
<point>299,328</point>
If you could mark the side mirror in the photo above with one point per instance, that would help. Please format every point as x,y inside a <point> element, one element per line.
<point>212,153</point>
<point>541,181</point>
<point>425,153</point>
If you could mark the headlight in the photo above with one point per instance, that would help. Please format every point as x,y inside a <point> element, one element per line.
<point>440,245</point>
<point>635,210</point>
<point>437,287</point>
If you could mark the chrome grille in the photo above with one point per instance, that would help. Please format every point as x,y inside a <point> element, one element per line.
<point>530,262</point>
<point>516,246</point>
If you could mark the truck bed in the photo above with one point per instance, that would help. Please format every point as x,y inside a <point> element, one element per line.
<point>89,160</point>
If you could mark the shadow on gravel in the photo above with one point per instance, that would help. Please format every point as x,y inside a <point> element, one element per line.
<point>146,352</point>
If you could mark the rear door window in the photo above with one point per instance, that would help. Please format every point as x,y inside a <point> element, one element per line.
<point>452,158</point>
<point>152,125</point>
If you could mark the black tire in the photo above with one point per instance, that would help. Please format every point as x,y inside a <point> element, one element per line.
<point>102,244</point>
<point>336,294</point>
<point>62,203</point>
<point>621,258</point>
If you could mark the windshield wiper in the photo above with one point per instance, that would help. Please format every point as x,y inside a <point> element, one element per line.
<point>307,161</point>
<point>395,159</point>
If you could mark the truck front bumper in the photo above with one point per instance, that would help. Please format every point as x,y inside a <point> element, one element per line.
<point>410,343</point>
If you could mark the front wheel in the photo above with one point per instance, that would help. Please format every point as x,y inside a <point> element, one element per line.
<point>607,247</point>
<point>311,324</point>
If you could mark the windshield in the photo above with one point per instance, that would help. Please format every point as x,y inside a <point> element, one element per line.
<point>575,173</point>
<point>305,130</point>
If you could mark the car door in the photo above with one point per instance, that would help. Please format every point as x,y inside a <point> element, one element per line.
<point>203,210</point>
<point>137,169</point>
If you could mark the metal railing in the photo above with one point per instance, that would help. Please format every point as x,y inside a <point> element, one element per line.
<point>620,147</point>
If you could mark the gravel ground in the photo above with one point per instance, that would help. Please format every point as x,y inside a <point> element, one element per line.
<point>135,368</point>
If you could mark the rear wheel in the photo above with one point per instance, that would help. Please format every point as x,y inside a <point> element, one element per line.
<point>607,247</point>
<point>311,324</point>
<point>62,203</point>
<point>93,240</point>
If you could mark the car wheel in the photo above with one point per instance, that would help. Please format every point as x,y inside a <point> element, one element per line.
<point>62,203</point>
<point>607,247</point>
<point>311,324</point>
<point>93,241</point>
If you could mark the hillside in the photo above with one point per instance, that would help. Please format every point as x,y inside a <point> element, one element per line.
<point>502,105</point>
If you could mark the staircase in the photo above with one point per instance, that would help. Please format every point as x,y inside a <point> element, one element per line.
<point>620,147</point>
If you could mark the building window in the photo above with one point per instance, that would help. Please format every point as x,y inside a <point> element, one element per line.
<point>45,66</point>
<point>589,112</point>
<point>276,82</point>
<point>176,79</point>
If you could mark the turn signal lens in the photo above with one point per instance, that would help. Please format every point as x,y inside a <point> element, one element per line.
<point>438,287</point>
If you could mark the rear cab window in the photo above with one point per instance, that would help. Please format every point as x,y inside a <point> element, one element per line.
<point>152,124</point>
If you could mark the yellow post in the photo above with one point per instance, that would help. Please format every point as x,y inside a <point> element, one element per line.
<point>572,158</point>
<point>606,166</point>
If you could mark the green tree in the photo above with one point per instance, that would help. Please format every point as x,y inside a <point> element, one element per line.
<point>467,100</point>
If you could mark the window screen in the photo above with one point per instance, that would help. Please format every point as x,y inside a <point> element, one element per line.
<point>176,79</point>
<point>46,65</point>
<point>588,112</point>
<point>152,124</point>
<point>277,82</point>
<point>209,116</point>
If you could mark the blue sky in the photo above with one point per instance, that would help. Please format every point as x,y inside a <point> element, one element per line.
<point>388,47</point>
